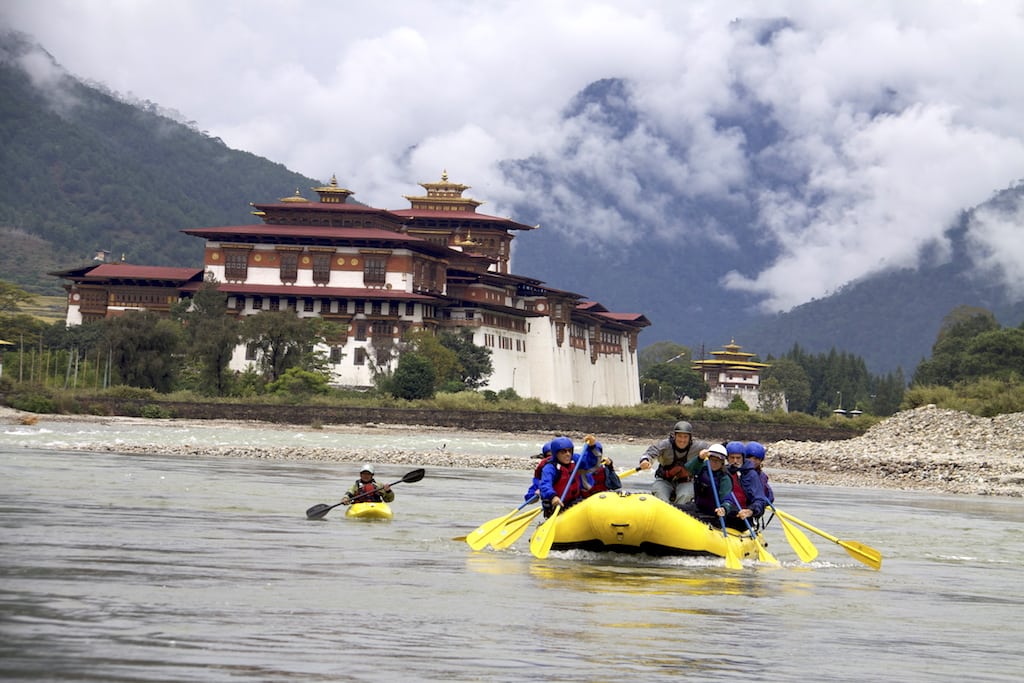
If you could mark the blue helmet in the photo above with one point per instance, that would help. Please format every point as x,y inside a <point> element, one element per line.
<point>735,447</point>
<point>546,449</point>
<point>754,450</point>
<point>560,443</point>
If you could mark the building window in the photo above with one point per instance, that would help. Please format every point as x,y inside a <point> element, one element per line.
<point>359,357</point>
<point>375,270</point>
<point>321,268</point>
<point>307,305</point>
<point>289,266</point>
<point>236,264</point>
<point>360,307</point>
<point>257,303</point>
<point>360,331</point>
<point>336,354</point>
<point>275,303</point>
<point>410,309</point>
<point>376,308</point>
<point>250,351</point>
<point>380,329</point>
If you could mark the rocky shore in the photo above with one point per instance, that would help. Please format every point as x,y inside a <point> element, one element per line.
<point>923,449</point>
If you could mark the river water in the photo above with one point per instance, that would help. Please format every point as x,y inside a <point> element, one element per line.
<point>156,568</point>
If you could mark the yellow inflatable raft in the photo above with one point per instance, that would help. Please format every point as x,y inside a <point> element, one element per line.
<point>624,522</point>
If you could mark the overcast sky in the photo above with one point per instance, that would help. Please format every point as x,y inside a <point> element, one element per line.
<point>387,94</point>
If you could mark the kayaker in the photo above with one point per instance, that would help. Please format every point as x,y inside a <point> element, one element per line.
<point>747,491</point>
<point>755,452</point>
<point>703,503</point>
<point>374,492</point>
<point>672,481</point>
<point>561,481</point>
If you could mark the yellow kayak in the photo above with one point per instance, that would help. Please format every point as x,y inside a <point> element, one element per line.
<point>624,522</point>
<point>369,511</point>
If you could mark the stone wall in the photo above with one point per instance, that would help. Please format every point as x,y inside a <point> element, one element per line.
<point>466,420</point>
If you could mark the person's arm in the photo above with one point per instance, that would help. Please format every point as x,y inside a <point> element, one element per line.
<point>547,482</point>
<point>386,494</point>
<point>650,456</point>
<point>725,495</point>
<point>350,494</point>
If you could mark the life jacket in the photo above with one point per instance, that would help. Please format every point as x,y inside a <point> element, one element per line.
<point>371,490</point>
<point>703,495</point>
<point>540,467</point>
<point>564,472</point>
<point>737,489</point>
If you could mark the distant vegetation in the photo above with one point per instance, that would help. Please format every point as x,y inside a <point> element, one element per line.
<point>976,366</point>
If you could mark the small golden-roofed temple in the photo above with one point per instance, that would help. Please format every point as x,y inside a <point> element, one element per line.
<point>731,372</point>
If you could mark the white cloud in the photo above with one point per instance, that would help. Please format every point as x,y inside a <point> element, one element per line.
<point>997,233</point>
<point>893,116</point>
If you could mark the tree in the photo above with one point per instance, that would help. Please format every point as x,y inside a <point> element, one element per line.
<point>661,352</point>
<point>771,396</point>
<point>211,337</point>
<point>684,380</point>
<point>143,349</point>
<point>444,361</point>
<point>284,341</point>
<point>949,353</point>
<point>793,381</point>
<point>475,365</point>
<point>414,377</point>
<point>11,298</point>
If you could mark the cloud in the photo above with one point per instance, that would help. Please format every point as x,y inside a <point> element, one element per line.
<point>850,134</point>
<point>997,234</point>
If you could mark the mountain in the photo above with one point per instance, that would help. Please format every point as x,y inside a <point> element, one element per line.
<point>82,169</point>
<point>890,319</point>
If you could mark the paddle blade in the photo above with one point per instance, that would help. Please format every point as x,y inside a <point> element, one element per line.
<point>864,553</point>
<point>413,476</point>
<point>478,538</point>
<point>318,511</point>
<point>762,553</point>
<point>509,533</point>
<point>732,560</point>
<point>544,536</point>
<point>799,542</point>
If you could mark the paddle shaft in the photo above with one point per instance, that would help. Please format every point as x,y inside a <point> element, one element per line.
<point>731,561</point>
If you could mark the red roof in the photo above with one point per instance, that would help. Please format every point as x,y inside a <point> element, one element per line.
<point>125,271</point>
<point>461,216</point>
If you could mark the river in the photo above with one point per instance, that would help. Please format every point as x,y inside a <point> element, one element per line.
<point>155,568</point>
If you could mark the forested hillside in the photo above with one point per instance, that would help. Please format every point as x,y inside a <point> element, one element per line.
<point>82,170</point>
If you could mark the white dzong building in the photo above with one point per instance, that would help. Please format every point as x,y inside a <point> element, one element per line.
<point>380,273</point>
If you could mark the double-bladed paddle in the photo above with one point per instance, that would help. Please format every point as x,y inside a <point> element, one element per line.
<point>320,509</point>
<point>858,551</point>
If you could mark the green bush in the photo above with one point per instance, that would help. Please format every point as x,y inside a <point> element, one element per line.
<point>154,411</point>
<point>33,403</point>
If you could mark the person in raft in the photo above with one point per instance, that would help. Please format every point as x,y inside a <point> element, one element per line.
<point>703,504</point>
<point>367,490</point>
<point>562,479</point>
<point>747,490</point>
<point>672,480</point>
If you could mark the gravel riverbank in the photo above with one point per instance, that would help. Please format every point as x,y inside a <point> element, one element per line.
<point>923,449</point>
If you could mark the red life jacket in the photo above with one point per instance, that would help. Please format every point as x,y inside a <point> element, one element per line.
<point>737,490</point>
<point>540,466</point>
<point>370,489</point>
<point>564,472</point>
